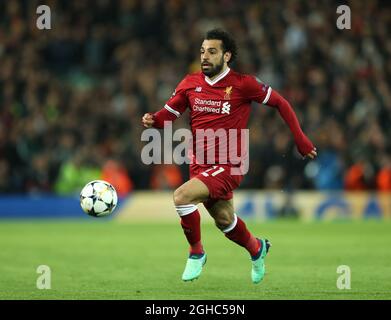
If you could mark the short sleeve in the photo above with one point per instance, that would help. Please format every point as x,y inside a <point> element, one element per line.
<point>178,102</point>
<point>255,90</point>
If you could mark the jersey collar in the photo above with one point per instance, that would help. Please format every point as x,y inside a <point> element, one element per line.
<point>217,79</point>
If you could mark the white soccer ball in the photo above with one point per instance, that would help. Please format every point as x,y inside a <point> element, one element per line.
<point>98,198</point>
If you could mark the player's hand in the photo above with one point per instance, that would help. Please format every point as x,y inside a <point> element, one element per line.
<point>147,120</point>
<point>306,148</point>
<point>312,154</point>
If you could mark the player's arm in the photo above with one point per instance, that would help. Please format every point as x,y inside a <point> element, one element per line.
<point>304,145</point>
<point>172,110</point>
<point>157,119</point>
<point>257,91</point>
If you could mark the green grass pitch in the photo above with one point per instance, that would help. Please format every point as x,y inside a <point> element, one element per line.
<point>106,259</point>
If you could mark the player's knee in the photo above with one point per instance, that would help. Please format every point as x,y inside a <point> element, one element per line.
<point>224,221</point>
<point>182,197</point>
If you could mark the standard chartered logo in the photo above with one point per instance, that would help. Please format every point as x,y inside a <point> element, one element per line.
<point>226,108</point>
<point>211,106</point>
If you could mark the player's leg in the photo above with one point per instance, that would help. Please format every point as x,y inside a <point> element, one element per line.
<point>193,191</point>
<point>186,198</point>
<point>236,230</point>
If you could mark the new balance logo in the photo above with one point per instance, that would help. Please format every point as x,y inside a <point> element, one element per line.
<point>226,108</point>
<point>198,89</point>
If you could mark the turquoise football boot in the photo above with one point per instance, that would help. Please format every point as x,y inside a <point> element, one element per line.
<point>258,262</point>
<point>193,268</point>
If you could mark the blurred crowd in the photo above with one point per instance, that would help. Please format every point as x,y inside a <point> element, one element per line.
<point>71,98</point>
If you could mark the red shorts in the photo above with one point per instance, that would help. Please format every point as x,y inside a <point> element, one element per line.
<point>218,179</point>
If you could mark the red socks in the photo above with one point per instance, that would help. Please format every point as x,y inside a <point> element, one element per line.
<point>191,225</point>
<point>238,233</point>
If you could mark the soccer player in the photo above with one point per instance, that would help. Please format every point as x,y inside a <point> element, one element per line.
<point>219,98</point>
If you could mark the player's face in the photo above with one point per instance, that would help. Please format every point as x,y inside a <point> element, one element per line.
<point>212,57</point>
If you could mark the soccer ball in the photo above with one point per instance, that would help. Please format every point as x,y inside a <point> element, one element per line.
<point>98,198</point>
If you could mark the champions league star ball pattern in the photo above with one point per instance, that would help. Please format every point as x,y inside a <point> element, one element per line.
<point>98,198</point>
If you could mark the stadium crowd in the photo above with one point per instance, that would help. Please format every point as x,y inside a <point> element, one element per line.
<point>71,98</point>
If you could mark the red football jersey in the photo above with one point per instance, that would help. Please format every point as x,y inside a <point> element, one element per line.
<point>220,104</point>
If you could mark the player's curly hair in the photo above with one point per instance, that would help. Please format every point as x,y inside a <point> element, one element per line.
<point>228,42</point>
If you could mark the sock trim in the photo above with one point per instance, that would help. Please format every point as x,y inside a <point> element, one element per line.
<point>184,210</point>
<point>232,225</point>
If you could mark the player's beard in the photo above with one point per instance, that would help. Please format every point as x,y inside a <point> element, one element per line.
<point>213,70</point>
